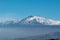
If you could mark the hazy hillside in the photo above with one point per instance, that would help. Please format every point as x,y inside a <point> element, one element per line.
<point>55,35</point>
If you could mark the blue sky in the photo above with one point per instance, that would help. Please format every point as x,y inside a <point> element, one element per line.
<point>19,9</point>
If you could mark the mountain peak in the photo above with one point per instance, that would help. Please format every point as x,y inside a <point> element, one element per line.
<point>32,16</point>
<point>38,19</point>
<point>35,20</point>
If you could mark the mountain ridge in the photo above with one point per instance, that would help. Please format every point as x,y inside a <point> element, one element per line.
<point>34,20</point>
<point>31,19</point>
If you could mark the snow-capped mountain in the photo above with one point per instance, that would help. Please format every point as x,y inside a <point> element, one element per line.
<point>33,20</point>
<point>37,19</point>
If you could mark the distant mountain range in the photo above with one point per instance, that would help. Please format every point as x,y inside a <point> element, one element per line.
<point>31,20</point>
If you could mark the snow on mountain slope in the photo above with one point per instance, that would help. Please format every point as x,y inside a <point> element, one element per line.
<point>33,20</point>
<point>37,19</point>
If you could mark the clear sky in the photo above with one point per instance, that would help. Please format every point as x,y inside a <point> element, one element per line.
<point>19,9</point>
